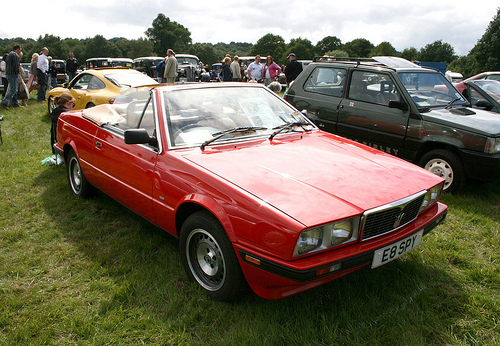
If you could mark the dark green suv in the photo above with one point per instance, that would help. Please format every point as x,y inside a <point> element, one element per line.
<point>403,109</point>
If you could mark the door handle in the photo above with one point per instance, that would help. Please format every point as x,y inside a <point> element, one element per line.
<point>98,144</point>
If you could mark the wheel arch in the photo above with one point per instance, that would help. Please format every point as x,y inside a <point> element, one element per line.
<point>195,203</point>
<point>429,146</point>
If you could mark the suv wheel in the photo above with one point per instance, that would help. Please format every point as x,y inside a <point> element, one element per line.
<point>446,165</point>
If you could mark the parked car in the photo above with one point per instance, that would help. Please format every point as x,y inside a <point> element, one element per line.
<point>62,77</point>
<point>256,194</point>
<point>495,75</point>
<point>404,109</point>
<point>148,65</point>
<point>215,72</point>
<point>108,62</point>
<point>26,70</point>
<point>99,86</point>
<point>483,94</point>
<point>190,68</point>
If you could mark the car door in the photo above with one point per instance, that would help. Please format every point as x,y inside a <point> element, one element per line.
<point>321,96</point>
<point>125,171</point>
<point>78,89</point>
<point>365,115</point>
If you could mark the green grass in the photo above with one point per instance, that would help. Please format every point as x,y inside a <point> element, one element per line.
<point>90,272</point>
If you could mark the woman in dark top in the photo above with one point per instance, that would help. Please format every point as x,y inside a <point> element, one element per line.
<point>65,102</point>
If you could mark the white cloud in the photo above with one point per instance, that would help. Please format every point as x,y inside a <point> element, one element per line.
<point>403,24</point>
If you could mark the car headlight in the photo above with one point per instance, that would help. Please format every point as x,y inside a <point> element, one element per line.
<point>492,146</point>
<point>431,197</point>
<point>327,236</point>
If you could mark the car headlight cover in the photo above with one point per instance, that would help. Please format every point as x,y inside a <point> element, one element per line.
<point>309,240</point>
<point>431,197</point>
<point>492,146</point>
<point>327,236</point>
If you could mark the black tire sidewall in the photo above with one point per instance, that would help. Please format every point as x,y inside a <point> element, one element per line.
<point>234,283</point>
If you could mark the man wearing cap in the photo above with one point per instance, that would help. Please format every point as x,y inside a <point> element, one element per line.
<point>292,69</point>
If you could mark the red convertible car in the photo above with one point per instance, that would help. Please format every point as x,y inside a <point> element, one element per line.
<point>257,195</point>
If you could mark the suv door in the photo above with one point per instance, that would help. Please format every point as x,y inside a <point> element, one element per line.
<point>364,115</point>
<point>321,95</point>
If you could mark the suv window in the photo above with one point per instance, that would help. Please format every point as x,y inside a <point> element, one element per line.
<point>372,87</point>
<point>327,81</point>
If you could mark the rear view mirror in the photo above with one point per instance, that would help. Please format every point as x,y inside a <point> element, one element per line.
<point>484,104</point>
<point>139,136</point>
<point>398,104</point>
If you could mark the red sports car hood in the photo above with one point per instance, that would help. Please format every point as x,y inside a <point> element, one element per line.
<point>317,178</point>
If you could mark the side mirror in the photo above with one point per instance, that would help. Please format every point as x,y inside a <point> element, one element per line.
<point>304,112</point>
<point>139,136</point>
<point>398,104</point>
<point>484,104</point>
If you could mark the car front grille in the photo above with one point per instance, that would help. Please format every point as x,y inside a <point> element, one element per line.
<point>390,217</point>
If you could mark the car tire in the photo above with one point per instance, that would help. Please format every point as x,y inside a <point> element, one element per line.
<point>78,184</point>
<point>90,105</point>
<point>447,165</point>
<point>50,104</point>
<point>209,259</point>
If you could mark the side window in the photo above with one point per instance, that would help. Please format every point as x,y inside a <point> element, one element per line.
<point>148,119</point>
<point>373,87</point>
<point>96,84</point>
<point>326,80</point>
<point>475,96</point>
<point>83,82</point>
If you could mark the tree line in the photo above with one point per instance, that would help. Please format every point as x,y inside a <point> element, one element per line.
<point>164,34</point>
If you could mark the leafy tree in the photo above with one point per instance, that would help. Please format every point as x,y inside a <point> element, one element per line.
<point>205,52</point>
<point>337,53</point>
<point>135,48</point>
<point>438,51</point>
<point>166,34</point>
<point>359,48</point>
<point>269,44</point>
<point>410,54</point>
<point>384,49</point>
<point>328,44</point>
<point>302,47</point>
<point>58,49</point>
<point>99,47</point>
<point>233,48</point>
<point>485,56</point>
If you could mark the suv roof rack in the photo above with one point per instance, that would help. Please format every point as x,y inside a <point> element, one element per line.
<point>358,61</point>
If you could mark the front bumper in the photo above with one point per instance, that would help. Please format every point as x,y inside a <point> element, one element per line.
<point>481,166</point>
<point>273,279</point>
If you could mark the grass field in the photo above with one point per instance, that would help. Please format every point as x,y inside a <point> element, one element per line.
<point>90,272</point>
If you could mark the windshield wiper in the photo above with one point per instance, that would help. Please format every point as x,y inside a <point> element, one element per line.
<point>452,102</point>
<point>234,129</point>
<point>280,128</point>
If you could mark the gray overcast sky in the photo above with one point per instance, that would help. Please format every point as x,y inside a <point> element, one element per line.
<point>404,24</point>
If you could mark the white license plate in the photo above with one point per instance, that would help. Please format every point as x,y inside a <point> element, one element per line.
<point>395,250</point>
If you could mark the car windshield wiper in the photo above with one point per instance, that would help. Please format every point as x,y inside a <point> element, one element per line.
<point>234,129</point>
<point>280,128</point>
<point>452,102</point>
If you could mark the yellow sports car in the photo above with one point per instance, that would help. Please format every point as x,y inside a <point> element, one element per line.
<point>99,86</point>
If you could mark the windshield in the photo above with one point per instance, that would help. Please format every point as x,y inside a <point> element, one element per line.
<point>199,115</point>
<point>131,79</point>
<point>431,89</point>
<point>187,61</point>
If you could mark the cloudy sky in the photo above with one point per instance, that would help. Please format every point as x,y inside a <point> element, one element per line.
<point>404,24</point>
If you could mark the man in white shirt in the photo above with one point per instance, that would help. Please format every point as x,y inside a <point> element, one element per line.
<point>255,69</point>
<point>42,67</point>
